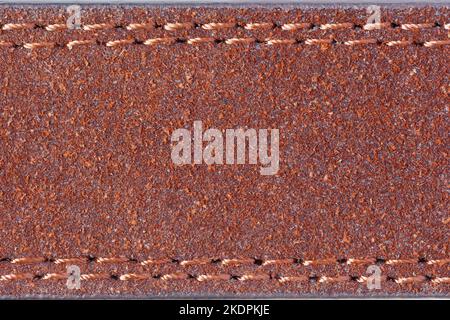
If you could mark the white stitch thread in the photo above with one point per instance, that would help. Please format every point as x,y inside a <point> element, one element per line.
<point>223,25</point>
<point>218,25</point>
<point>178,26</point>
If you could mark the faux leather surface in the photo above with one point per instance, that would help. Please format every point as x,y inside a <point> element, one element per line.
<point>86,176</point>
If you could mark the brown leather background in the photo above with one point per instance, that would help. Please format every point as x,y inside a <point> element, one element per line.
<point>85,168</point>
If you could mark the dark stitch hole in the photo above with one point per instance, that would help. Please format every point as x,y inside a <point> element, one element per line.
<point>380,261</point>
<point>179,40</point>
<point>379,42</point>
<point>342,261</point>
<point>258,262</point>
<point>91,258</point>
<point>234,277</point>
<point>177,261</point>
<point>218,41</point>
<point>197,25</point>
<point>418,43</point>
<point>216,261</point>
<point>395,25</point>
<point>258,41</point>
<point>428,278</point>
<point>156,276</point>
<point>133,260</point>
<point>5,260</point>
<point>314,26</point>
<point>313,278</point>
<point>298,261</point>
<point>138,41</point>
<point>190,276</point>
<point>51,260</point>
<point>390,279</point>
<point>38,276</point>
<point>437,25</point>
<point>357,26</point>
<point>354,278</point>
<point>333,41</point>
<point>422,260</point>
<point>114,277</point>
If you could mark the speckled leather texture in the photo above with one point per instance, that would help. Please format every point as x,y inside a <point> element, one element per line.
<point>87,179</point>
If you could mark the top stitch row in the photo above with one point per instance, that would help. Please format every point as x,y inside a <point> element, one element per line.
<point>227,25</point>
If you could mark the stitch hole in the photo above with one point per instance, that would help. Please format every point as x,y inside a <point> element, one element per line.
<point>234,277</point>
<point>379,261</point>
<point>258,262</point>
<point>395,25</point>
<point>91,258</point>
<point>354,278</point>
<point>422,260</point>
<point>342,261</point>
<point>313,278</point>
<point>428,278</point>
<point>298,261</point>
<point>5,259</point>
<point>114,277</point>
<point>38,276</point>
<point>100,43</point>
<point>390,279</point>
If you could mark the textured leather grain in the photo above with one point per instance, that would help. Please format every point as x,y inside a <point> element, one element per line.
<point>86,176</point>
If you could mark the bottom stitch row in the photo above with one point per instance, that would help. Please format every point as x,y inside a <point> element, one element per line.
<point>231,41</point>
<point>224,277</point>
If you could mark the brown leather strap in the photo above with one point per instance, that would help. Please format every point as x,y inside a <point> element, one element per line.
<point>87,122</point>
